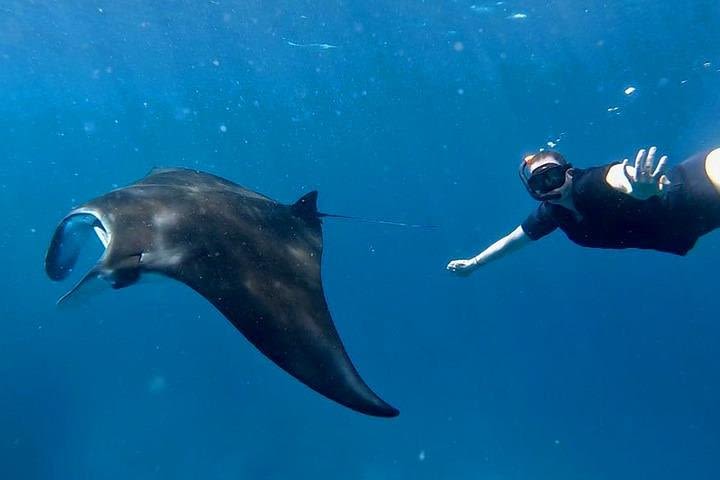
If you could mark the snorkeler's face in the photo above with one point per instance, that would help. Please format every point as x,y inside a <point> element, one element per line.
<point>549,179</point>
<point>563,190</point>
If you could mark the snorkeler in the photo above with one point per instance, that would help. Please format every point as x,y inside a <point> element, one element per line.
<point>616,205</point>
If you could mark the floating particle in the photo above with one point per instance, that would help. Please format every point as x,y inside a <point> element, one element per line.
<point>707,64</point>
<point>480,8</point>
<point>613,109</point>
<point>630,90</point>
<point>319,46</point>
<point>223,128</point>
<point>157,384</point>
<point>556,141</point>
<point>33,230</point>
<point>461,91</point>
<point>557,442</point>
<point>181,113</point>
<point>458,46</point>
<point>517,16</point>
<point>421,455</point>
<point>216,62</point>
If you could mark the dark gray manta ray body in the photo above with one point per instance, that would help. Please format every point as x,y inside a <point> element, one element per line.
<point>256,260</point>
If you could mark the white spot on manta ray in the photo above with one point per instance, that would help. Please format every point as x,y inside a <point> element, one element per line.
<point>298,254</point>
<point>161,257</point>
<point>164,218</point>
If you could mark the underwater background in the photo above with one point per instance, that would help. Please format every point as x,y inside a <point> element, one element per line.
<point>555,363</point>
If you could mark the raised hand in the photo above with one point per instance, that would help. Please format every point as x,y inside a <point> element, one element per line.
<point>646,179</point>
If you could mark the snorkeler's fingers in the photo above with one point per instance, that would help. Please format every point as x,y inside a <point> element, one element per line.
<point>660,166</point>
<point>459,267</point>
<point>638,162</point>
<point>650,160</point>
<point>664,180</point>
<point>454,265</point>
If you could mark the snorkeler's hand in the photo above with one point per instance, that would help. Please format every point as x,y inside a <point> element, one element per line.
<point>462,266</point>
<point>646,179</point>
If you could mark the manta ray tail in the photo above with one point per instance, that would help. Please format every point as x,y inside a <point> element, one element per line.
<point>380,222</point>
<point>306,207</point>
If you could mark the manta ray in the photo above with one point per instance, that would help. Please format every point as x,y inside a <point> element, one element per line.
<point>255,259</point>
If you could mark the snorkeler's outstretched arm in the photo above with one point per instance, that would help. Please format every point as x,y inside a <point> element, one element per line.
<point>641,181</point>
<point>508,244</point>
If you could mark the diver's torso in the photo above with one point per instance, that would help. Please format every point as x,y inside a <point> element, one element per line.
<point>611,219</point>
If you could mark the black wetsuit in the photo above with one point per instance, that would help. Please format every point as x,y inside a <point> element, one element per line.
<point>670,222</point>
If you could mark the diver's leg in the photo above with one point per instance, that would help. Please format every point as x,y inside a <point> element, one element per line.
<point>712,168</point>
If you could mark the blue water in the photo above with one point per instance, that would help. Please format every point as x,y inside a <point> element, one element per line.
<point>555,363</point>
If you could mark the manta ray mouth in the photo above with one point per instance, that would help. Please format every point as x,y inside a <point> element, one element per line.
<point>69,241</point>
<point>70,238</point>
